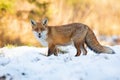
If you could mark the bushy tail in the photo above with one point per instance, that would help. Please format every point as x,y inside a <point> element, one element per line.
<point>94,45</point>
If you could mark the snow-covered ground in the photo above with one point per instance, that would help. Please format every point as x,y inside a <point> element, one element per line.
<point>29,63</point>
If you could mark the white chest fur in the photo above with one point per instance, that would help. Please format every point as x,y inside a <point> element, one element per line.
<point>42,39</point>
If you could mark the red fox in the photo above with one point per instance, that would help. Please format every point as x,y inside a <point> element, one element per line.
<point>76,33</point>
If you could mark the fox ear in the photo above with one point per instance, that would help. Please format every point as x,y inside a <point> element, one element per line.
<point>44,21</point>
<point>33,23</point>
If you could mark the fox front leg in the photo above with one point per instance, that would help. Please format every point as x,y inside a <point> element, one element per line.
<point>52,50</point>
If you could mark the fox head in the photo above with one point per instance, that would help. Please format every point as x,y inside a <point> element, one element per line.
<point>40,30</point>
<point>39,27</point>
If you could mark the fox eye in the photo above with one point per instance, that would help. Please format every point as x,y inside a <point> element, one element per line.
<point>42,29</point>
<point>36,29</point>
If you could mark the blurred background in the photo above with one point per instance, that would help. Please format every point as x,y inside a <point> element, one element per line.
<point>102,16</point>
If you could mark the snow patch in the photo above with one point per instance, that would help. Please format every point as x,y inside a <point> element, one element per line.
<point>30,63</point>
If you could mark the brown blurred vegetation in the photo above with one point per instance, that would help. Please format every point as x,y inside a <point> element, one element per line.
<point>103,16</point>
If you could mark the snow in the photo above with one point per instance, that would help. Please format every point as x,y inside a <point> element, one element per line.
<point>30,63</point>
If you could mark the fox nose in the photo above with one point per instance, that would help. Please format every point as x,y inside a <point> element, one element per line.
<point>39,35</point>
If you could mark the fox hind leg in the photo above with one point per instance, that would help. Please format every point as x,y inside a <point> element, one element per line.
<point>77,46</point>
<point>83,49</point>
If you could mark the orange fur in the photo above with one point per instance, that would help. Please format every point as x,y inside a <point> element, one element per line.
<point>77,33</point>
